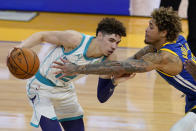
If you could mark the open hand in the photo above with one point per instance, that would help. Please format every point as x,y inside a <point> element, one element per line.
<point>123,77</point>
<point>66,68</point>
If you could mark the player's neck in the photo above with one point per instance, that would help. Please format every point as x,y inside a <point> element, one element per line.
<point>160,44</point>
<point>94,49</point>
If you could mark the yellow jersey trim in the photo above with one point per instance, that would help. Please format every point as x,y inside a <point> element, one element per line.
<point>194,107</point>
<point>191,109</point>
<point>173,42</point>
<point>165,73</point>
<point>168,50</point>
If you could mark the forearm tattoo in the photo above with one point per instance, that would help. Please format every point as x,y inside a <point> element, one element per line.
<point>113,67</point>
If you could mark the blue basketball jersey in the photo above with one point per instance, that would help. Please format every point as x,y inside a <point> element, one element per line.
<point>183,81</point>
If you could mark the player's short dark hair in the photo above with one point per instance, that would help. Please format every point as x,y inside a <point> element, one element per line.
<point>111,26</point>
<point>167,19</point>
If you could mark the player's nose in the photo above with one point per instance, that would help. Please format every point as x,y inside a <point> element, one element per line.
<point>114,46</point>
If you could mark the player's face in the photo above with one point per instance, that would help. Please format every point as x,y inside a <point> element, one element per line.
<point>152,34</point>
<point>109,43</point>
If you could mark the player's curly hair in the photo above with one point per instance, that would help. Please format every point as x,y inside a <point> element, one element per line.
<point>111,26</point>
<point>167,19</point>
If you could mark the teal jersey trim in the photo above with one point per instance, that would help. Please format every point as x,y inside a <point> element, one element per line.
<point>104,58</point>
<point>34,125</point>
<point>71,118</point>
<point>44,80</point>
<point>68,53</point>
<point>65,78</point>
<point>86,48</point>
<point>54,118</point>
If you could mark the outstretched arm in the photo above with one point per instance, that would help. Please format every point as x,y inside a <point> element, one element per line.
<point>128,66</point>
<point>109,67</point>
<point>162,60</point>
<point>115,67</point>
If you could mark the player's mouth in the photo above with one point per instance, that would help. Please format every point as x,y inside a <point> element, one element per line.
<point>110,52</point>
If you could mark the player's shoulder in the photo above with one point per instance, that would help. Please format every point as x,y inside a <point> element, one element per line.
<point>72,37</point>
<point>73,33</point>
<point>165,54</point>
<point>168,57</point>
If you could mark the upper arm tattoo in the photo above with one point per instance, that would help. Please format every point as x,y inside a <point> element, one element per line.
<point>169,63</point>
<point>154,58</point>
<point>173,62</point>
<point>144,51</point>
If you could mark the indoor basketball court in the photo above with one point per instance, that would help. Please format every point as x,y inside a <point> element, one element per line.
<point>144,103</point>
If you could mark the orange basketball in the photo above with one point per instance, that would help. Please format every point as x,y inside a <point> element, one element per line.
<point>23,63</point>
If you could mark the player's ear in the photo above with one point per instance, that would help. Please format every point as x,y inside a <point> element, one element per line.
<point>100,34</point>
<point>163,33</point>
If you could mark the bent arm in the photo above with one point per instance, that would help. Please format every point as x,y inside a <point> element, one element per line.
<point>105,89</point>
<point>65,38</point>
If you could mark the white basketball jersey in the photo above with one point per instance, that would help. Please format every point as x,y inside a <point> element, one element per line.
<point>76,56</point>
<point>51,96</point>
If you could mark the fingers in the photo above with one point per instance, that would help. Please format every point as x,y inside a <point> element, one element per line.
<point>58,66</point>
<point>121,75</point>
<point>132,75</point>
<point>124,77</point>
<point>58,72</point>
<point>58,63</point>
<point>61,64</point>
<point>10,51</point>
<point>63,75</point>
<point>129,76</point>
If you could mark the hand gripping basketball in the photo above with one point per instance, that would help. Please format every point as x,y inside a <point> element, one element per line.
<point>23,63</point>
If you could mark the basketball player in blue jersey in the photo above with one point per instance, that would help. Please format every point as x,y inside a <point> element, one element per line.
<point>166,51</point>
<point>55,99</point>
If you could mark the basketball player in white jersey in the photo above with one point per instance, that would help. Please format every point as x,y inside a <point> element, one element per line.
<point>54,100</point>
